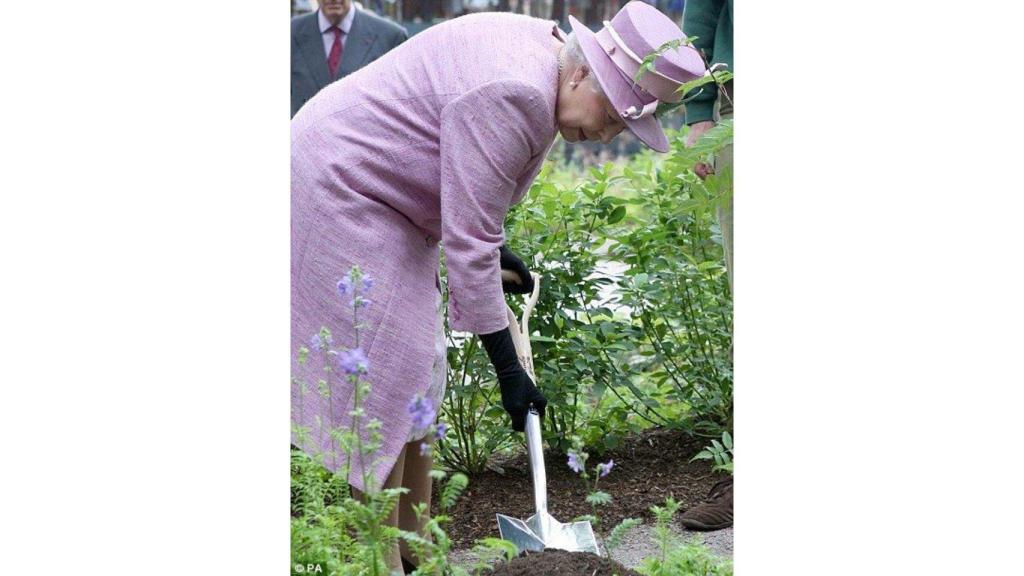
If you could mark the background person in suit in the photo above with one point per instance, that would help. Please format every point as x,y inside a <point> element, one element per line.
<point>336,40</point>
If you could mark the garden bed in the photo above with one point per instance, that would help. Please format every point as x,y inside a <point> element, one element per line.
<point>648,468</point>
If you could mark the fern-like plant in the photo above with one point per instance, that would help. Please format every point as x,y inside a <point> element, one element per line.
<point>675,558</point>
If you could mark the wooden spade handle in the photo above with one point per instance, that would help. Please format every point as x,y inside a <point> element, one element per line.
<point>521,337</point>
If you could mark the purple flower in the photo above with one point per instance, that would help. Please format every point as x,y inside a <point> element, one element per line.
<point>318,342</point>
<point>604,469</point>
<point>422,410</point>
<point>354,361</point>
<point>442,429</point>
<point>574,463</point>
<point>360,302</point>
<point>345,285</point>
<point>424,449</point>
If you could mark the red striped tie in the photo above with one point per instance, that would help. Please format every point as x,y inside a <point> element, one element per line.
<point>335,58</point>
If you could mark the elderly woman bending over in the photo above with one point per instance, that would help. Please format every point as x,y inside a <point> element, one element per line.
<point>433,142</point>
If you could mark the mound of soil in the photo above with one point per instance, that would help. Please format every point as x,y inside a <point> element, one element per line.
<point>561,563</point>
<point>648,468</point>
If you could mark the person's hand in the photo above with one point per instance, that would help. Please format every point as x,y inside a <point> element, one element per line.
<point>515,276</point>
<point>518,392</point>
<point>697,130</point>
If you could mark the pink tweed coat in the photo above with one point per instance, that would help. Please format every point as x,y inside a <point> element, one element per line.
<point>431,142</point>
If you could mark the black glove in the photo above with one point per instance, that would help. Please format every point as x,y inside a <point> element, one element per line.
<point>512,263</point>
<point>518,392</point>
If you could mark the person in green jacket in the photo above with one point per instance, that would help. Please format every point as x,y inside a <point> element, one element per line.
<point>711,22</point>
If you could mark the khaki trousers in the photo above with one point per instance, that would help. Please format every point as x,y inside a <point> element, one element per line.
<point>723,111</point>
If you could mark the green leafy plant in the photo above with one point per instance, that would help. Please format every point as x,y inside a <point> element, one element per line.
<point>435,551</point>
<point>472,408</point>
<point>688,559</point>
<point>720,452</point>
<point>582,337</point>
<point>675,558</point>
<point>489,551</point>
<point>614,538</point>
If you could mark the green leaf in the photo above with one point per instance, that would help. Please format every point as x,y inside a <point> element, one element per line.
<point>599,498</point>
<point>453,489</point>
<point>508,549</point>
<point>611,440</point>
<point>617,215</point>
<point>702,455</point>
<point>620,530</point>
<point>727,440</point>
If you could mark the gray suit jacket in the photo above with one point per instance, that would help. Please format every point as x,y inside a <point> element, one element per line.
<point>370,38</point>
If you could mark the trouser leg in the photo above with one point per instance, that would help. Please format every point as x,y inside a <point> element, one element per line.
<point>723,111</point>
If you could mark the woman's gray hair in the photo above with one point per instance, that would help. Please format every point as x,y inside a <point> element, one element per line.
<point>574,58</point>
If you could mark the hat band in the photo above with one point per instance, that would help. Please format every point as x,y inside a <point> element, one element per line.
<point>652,82</point>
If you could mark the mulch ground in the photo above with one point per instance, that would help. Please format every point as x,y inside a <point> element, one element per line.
<point>648,468</point>
<point>562,563</point>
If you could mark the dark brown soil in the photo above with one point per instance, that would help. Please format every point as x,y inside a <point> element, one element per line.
<point>562,563</point>
<point>648,469</point>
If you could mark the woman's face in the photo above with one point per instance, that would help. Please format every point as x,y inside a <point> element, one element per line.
<point>585,113</point>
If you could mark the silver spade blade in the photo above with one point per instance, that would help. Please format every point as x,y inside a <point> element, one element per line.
<point>517,532</point>
<point>541,530</point>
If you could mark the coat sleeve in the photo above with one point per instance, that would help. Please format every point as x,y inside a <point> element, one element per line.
<point>488,138</point>
<point>700,19</point>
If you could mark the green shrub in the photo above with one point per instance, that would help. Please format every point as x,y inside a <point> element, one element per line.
<point>634,323</point>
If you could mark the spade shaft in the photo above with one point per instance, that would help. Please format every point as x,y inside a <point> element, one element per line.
<point>540,531</point>
<point>535,452</point>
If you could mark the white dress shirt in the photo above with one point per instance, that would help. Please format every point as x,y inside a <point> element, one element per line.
<point>345,25</point>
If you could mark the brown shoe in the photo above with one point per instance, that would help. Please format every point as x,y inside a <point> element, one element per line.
<point>715,512</point>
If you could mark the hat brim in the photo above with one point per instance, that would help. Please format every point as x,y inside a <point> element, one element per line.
<point>648,129</point>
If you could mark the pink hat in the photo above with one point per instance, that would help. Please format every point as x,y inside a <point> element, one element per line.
<point>615,53</point>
